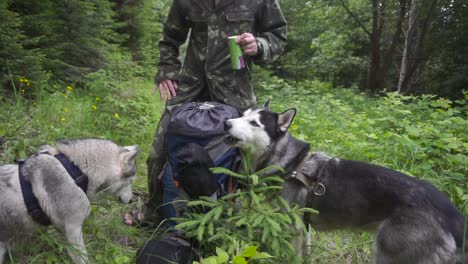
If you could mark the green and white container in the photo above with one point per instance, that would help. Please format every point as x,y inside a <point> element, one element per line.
<point>237,58</point>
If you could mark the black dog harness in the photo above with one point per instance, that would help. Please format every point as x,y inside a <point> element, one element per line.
<point>312,182</point>
<point>31,202</point>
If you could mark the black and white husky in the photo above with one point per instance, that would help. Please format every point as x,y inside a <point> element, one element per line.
<point>56,186</point>
<point>415,222</point>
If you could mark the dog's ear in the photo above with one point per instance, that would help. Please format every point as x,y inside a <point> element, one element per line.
<point>285,119</point>
<point>129,153</point>
<point>267,104</point>
<point>127,160</point>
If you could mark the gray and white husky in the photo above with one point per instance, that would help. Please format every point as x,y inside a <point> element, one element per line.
<point>415,222</point>
<point>102,166</point>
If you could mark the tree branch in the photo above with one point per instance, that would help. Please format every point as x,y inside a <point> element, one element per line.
<point>355,17</point>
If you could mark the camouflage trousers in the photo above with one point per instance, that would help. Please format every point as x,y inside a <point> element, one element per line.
<point>155,162</point>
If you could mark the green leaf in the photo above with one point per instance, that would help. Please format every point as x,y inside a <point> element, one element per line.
<point>262,255</point>
<point>223,257</point>
<point>254,178</point>
<point>413,131</point>
<point>274,225</point>
<point>187,224</point>
<point>220,170</point>
<point>308,210</point>
<point>270,168</point>
<point>122,260</point>
<point>271,179</point>
<point>258,221</point>
<point>249,251</point>
<point>217,212</point>
<point>459,191</point>
<point>210,260</point>
<point>200,231</point>
<point>284,203</point>
<point>239,260</point>
<point>203,203</point>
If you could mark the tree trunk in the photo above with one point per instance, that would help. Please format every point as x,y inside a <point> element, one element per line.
<point>413,52</point>
<point>388,57</point>
<point>412,17</point>
<point>375,70</point>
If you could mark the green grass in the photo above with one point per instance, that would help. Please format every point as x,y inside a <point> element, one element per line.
<point>422,136</point>
<point>26,125</point>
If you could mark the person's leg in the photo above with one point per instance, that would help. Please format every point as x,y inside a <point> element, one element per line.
<point>155,163</point>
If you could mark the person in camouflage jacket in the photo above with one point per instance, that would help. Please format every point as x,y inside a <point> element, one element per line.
<point>206,74</point>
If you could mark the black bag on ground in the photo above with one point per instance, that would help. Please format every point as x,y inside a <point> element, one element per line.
<point>169,249</point>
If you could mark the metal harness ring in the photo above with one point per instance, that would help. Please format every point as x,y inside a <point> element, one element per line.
<point>319,189</point>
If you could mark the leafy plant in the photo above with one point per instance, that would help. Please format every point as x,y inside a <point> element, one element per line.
<point>253,215</point>
<point>248,254</point>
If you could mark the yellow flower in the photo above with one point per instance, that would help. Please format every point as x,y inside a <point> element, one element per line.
<point>62,119</point>
<point>22,91</point>
<point>65,109</point>
<point>116,115</point>
<point>94,107</point>
<point>97,98</point>
<point>69,88</point>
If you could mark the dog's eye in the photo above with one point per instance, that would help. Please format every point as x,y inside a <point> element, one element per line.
<point>254,123</point>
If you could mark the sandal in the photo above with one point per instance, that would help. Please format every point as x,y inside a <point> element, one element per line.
<point>135,218</point>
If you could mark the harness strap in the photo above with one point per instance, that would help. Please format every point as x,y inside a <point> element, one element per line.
<point>312,183</point>
<point>78,176</point>
<point>31,202</point>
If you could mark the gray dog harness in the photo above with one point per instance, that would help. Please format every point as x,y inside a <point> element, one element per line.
<point>32,204</point>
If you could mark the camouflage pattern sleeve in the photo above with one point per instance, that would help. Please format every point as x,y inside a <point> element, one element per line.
<point>175,33</point>
<point>272,32</point>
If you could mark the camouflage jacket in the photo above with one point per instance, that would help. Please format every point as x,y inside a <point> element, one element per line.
<point>206,70</point>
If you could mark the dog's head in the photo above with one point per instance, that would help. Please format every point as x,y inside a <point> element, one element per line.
<point>258,128</point>
<point>110,168</point>
<point>122,187</point>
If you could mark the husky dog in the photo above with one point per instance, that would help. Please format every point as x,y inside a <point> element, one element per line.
<point>100,165</point>
<point>415,222</point>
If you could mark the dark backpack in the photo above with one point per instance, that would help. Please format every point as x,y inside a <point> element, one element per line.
<point>167,250</point>
<point>194,144</point>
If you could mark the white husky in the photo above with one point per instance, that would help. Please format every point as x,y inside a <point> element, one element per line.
<point>65,202</point>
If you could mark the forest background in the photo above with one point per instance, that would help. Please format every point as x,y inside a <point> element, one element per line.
<point>382,81</point>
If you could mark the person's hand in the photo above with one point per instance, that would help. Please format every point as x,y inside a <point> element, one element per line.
<point>248,43</point>
<point>166,87</point>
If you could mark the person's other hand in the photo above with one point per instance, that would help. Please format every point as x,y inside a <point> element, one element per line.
<point>166,87</point>
<point>248,43</point>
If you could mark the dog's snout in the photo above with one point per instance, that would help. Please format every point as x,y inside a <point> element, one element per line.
<point>227,125</point>
<point>125,200</point>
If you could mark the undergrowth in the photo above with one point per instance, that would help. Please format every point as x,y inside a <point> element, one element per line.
<point>422,136</point>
